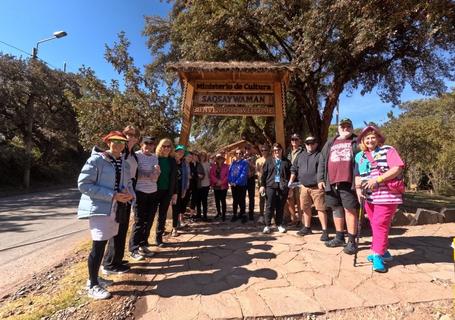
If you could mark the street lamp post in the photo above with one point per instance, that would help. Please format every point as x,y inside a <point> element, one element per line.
<point>29,111</point>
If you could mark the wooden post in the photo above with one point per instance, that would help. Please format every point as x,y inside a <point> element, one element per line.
<point>187,110</point>
<point>279,121</point>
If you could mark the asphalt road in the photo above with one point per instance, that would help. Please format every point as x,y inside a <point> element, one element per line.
<point>37,231</point>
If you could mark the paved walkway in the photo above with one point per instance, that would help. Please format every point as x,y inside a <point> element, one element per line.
<point>232,271</point>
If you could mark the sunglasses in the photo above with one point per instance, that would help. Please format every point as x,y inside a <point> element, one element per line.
<point>117,141</point>
<point>310,142</point>
<point>166,146</point>
<point>276,150</point>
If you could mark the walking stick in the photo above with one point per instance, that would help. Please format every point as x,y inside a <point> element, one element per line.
<point>359,226</point>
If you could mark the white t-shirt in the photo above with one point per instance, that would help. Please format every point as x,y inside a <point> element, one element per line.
<point>146,164</point>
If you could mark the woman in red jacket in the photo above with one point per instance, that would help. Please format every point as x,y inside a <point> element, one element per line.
<point>219,182</point>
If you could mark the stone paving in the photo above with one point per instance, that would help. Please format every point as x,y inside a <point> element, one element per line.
<point>232,271</point>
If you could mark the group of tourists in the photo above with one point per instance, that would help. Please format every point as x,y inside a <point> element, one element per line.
<point>347,172</point>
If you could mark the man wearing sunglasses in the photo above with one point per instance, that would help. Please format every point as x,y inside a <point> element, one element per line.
<point>305,168</point>
<point>336,178</point>
<point>238,179</point>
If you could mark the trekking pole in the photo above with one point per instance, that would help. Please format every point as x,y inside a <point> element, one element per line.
<point>359,227</point>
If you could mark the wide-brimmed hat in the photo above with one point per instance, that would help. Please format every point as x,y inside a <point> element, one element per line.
<point>381,138</point>
<point>114,135</point>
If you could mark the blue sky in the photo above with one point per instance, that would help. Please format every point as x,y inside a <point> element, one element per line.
<point>92,24</point>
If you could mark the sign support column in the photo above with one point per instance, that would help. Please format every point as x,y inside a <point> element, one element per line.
<point>187,111</point>
<point>279,119</point>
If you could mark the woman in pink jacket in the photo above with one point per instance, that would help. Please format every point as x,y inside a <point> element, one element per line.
<point>219,182</point>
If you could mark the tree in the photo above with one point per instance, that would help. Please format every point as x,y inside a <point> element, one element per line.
<point>103,107</point>
<point>335,45</point>
<point>424,134</point>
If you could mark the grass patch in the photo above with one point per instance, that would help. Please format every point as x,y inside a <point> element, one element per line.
<point>421,199</point>
<point>59,292</point>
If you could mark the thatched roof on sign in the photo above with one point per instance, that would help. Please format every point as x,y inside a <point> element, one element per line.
<point>238,66</point>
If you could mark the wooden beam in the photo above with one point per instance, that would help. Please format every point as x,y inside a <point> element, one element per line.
<point>187,111</point>
<point>279,119</point>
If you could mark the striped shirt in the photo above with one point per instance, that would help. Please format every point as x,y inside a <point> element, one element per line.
<point>145,170</point>
<point>386,157</point>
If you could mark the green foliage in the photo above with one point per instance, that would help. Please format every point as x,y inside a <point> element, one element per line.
<point>102,107</point>
<point>334,45</point>
<point>425,136</point>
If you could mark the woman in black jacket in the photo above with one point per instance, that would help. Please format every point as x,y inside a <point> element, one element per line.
<point>274,181</point>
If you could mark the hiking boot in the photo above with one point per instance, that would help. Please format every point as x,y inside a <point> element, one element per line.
<point>350,248</point>
<point>146,252</point>
<point>101,282</point>
<point>324,236</point>
<point>378,264</point>
<point>98,293</point>
<point>266,230</point>
<point>116,270</point>
<point>335,242</point>
<point>386,257</point>
<point>137,256</point>
<point>304,231</point>
<point>281,229</point>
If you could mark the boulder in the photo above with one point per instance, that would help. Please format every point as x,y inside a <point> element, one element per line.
<point>412,219</point>
<point>425,216</point>
<point>449,214</point>
<point>400,219</point>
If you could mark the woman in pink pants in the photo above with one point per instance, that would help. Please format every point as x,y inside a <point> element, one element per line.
<point>378,179</point>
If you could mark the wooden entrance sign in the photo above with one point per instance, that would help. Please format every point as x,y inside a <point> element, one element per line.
<point>232,89</point>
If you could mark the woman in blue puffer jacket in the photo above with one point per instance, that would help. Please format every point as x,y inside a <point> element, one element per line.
<point>104,181</point>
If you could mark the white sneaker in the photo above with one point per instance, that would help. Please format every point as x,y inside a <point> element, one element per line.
<point>146,252</point>
<point>281,229</point>
<point>98,293</point>
<point>174,233</point>
<point>101,281</point>
<point>266,230</point>
<point>136,256</point>
<point>261,220</point>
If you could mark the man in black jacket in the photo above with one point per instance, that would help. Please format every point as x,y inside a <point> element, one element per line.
<point>336,178</point>
<point>305,168</point>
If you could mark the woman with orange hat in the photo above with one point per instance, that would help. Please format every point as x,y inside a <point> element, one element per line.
<point>378,180</point>
<point>105,182</point>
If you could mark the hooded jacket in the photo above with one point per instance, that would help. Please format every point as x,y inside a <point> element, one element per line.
<point>324,157</point>
<point>96,182</point>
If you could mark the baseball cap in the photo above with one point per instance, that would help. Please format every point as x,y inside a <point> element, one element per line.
<point>310,139</point>
<point>346,121</point>
<point>295,136</point>
<point>148,139</point>
<point>180,147</point>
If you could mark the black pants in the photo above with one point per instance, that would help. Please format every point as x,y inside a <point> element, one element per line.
<point>194,194</point>
<point>144,214</point>
<point>94,261</point>
<point>178,208</point>
<point>203,194</point>
<point>276,199</point>
<point>163,199</point>
<point>220,201</point>
<point>116,245</point>
<point>251,188</point>
<point>238,199</point>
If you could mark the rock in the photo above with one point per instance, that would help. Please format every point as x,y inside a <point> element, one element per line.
<point>412,219</point>
<point>425,216</point>
<point>400,219</point>
<point>445,317</point>
<point>448,214</point>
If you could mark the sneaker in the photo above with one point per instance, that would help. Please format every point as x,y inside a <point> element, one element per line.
<point>174,233</point>
<point>378,264</point>
<point>350,248</point>
<point>146,252</point>
<point>261,220</point>
<point>117,270</point>
<point>335,242</point>
<point>281,229</point>
<point>101,282</point>
<point>304,231</point>
<point>386,257</point>
<point>266,230</point>
<point>98,293</point>
<point>324,236</point>
<point>137,256</point>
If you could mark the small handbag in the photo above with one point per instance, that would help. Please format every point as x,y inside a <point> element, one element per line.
<point>396,185</point>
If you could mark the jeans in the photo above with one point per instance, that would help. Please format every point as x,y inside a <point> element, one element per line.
<point>203,194</point>
<point>251,188</point>
<point>144,214</point>
<point>238,199</point>
<point>163,199</point>
<point>220,201</point>
<point>276,200</point>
